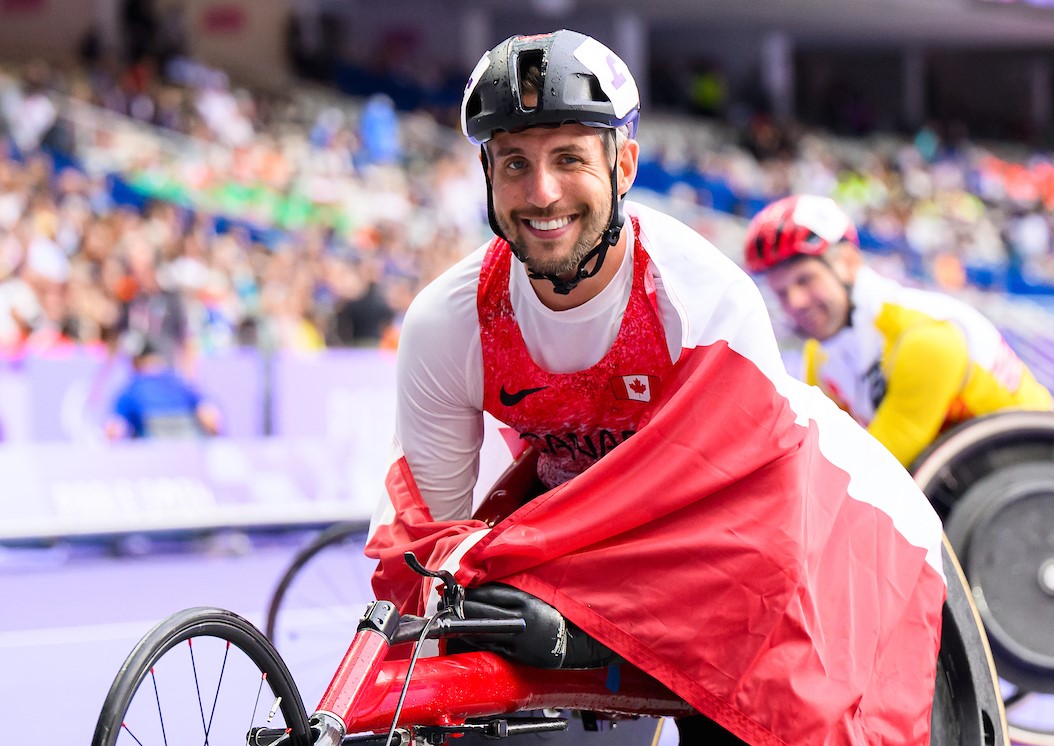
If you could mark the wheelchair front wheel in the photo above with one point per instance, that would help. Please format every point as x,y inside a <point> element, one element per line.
<point>202,675</point>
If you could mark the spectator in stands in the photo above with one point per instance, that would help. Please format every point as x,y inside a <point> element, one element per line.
<point>139,28</point>
<point>172,39</point>
<point>28,114</point>
<point>307,47</point>
<point>222,112</point>
<point>33,297</point>
<point>363,314</point>
<point>288,305</point>
<point>158,402</point>
<point>905,363</point>
<point>155,313</point>
<point>1030,240</point>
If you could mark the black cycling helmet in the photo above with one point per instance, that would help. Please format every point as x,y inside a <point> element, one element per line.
<point>582,82</point>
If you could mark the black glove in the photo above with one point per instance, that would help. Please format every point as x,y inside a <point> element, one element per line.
<point>550,641</point>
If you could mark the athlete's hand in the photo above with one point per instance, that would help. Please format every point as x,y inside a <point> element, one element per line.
<point>550,640</point>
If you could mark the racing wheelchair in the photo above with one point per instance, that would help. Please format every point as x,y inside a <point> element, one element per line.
<point>210,674</point>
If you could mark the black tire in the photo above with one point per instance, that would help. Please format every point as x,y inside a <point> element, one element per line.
<point>142,697</point>
<point>978,447</point>
<point>967,702</point>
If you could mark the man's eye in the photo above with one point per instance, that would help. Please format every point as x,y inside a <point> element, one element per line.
<point>516,165</point>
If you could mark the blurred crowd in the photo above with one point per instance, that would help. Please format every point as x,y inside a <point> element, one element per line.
<point>203,217</point>
<point>166,202</point>
<point>943,203</point>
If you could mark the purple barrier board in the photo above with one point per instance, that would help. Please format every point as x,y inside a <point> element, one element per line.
<point>348,396</point>
<point>334,418</point>
<point>343,397</point>
<point>68,397</point>
<point>234,381</point>
<point>61,489</point>
<point>340,394</point>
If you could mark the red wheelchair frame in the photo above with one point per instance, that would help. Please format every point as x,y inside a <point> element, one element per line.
<point>367,690</point>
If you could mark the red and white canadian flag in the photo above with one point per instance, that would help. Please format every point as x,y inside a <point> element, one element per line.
<point>634,388</point>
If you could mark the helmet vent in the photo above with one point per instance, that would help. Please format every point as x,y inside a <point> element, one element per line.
<point>473,105</point>
<point>529,70</point>
<point>596,93</point>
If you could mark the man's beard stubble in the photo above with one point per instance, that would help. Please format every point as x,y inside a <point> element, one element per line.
<point>594,224</point>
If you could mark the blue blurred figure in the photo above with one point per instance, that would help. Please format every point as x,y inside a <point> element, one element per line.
<point>379,132</point>
<point>157,402</point>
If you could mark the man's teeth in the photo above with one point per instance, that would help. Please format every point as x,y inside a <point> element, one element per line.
<point>548,225</point>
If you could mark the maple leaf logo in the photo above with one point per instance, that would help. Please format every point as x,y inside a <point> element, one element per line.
<point>639,388</point>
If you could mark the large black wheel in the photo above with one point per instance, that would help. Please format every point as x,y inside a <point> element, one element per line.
<point>202,675</point>
<point>316,605</point>
<point>1003,532</point>
<point>990,481</point>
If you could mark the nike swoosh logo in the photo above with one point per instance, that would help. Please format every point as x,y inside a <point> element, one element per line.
<point>510,399</point>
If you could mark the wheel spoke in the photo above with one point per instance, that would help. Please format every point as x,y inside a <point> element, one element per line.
<point>126,729</point>
<point>219,683</point>
<point>197,689</point>
<point>160,714</point>
<point>256,704</point>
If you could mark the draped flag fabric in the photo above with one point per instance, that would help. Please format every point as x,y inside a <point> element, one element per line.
<point>750,546</point>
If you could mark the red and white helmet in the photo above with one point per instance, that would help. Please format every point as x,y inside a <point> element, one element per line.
<point>793,226</point>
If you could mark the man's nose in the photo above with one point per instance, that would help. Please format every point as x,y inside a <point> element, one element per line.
<point>544,188</point>
<point>795,298</point>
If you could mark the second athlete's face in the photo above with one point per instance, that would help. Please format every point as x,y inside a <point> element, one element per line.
<point>552,193</point>
<point>814,298</point>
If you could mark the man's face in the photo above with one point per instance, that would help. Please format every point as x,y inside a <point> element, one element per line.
<point>552,193</point>
<point>812,295</point>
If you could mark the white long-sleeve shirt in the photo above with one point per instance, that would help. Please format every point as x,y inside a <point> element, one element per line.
<point>439,406</point>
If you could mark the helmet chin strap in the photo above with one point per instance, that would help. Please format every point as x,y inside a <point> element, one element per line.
<point>851,309</point>
<point>608,238</point>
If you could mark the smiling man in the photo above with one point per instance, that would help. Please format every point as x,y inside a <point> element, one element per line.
<point>695,511</point>
<point>906,363</point>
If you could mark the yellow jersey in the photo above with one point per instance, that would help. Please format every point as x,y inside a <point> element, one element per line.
<point>913,362</point>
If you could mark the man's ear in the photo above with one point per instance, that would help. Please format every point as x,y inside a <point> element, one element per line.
<point>846,259</point>
<point>627,165</point>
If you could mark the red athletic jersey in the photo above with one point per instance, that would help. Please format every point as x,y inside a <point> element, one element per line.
<point>571,419</point>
